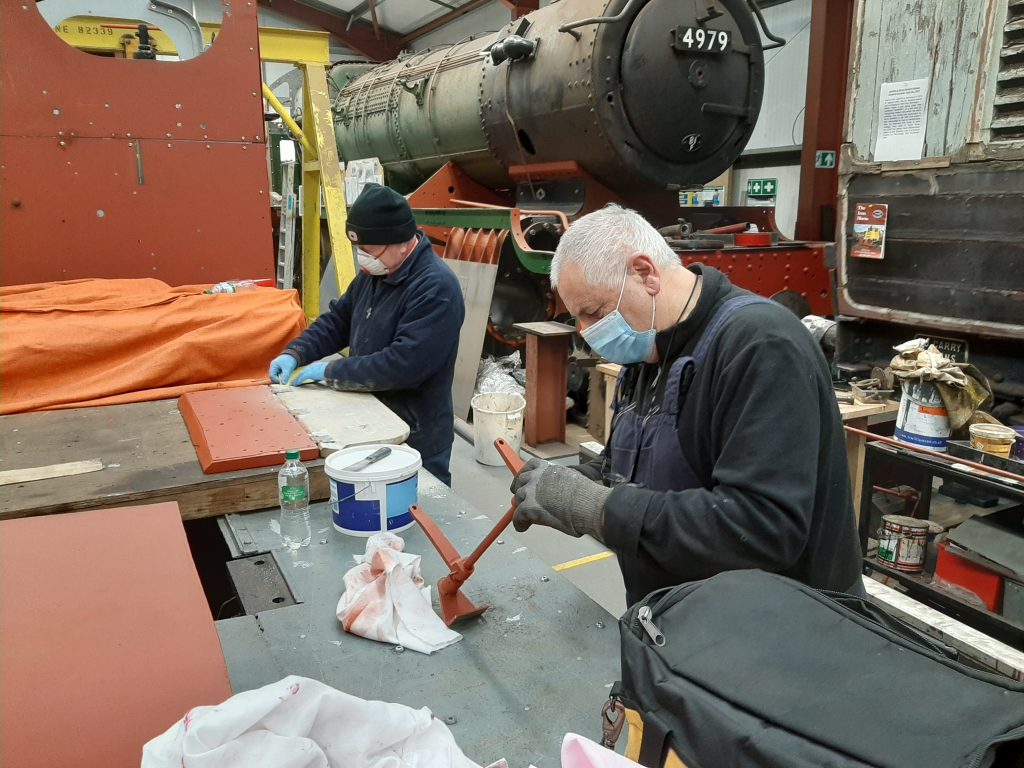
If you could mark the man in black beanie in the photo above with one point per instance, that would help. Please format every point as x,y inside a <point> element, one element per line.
<point>400,319</point>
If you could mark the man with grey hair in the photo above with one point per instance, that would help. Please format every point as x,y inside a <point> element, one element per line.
<point>726,449</point>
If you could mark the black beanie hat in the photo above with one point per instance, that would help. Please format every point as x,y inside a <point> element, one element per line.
<point>380,216</point>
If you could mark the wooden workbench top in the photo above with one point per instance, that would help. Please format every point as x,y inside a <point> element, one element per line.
<point>147,456</point>
<point>851,411</point>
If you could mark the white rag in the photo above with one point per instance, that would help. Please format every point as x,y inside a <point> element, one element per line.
<point>581,752</point>
<point>385,599</point>
<point>302,723</point>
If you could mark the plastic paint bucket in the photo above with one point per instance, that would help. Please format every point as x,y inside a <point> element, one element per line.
<point>902,542</point>
<point>496,414</point>
<point>377,498</point>
<point>922,419</point>
<point>993,438</point>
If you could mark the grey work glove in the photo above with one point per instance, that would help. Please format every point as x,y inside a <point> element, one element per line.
<point>558,497</point>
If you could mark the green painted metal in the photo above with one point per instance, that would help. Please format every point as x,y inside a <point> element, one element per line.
<point>538,262</point>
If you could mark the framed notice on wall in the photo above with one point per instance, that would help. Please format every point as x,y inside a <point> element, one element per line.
<point>869,221</point>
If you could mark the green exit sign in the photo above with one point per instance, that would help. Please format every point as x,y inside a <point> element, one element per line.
<point>762,187</point>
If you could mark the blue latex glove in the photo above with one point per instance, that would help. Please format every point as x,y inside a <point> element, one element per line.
<point>281,368</point>
<point>311,373</point>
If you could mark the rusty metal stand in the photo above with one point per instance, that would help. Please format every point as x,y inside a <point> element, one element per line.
<point>455,606</point>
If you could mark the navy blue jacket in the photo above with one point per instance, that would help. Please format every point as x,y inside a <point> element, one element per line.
<point>402,331</point>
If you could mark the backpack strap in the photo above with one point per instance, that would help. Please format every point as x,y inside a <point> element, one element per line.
<point>654,745</point>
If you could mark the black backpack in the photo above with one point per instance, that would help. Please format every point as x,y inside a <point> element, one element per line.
<point>749,668</point>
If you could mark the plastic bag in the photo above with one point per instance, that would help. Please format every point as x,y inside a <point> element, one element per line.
<point>499,374</point>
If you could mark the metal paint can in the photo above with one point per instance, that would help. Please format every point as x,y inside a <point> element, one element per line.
<point>993,438</point>
<point>902,542</point>
<point>922,419</point>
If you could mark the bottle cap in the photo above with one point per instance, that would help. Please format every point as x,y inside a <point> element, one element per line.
<point>291,455</point>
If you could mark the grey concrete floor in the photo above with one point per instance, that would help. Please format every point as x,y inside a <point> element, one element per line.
<point>487,489</point>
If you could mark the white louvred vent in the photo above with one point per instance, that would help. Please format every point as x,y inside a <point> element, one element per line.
<point>1008,105</point>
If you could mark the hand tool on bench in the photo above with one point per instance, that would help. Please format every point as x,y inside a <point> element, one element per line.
<point>455,606</point>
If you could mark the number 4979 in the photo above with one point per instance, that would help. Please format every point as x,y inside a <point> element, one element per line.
<point>711,40</point>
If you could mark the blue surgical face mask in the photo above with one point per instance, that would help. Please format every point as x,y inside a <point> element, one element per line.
<point>616,340</point>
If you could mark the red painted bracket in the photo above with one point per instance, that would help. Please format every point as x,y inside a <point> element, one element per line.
<point>454,605</point>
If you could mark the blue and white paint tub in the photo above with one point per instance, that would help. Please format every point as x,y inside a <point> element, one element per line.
<point>922,418</point>
<point>377,498</point>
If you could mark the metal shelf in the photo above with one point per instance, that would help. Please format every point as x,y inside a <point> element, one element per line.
<point>919,586</point>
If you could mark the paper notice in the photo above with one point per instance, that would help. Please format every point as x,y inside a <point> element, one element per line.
<point>869,221</point>
<point>902,118</point>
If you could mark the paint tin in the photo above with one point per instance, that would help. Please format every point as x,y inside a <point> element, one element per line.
<point>902,542</point>
<point>377,498</point>
<point>922,419</point>
<point>993,438</point>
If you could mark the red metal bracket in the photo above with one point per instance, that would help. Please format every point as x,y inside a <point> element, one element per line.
<point>454,605</point>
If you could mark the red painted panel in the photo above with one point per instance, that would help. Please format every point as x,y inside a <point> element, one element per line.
<point>87,215</point>
<point>242,428</point>
<point>192,207</point>
<point>767,271</point>
<point>107,636</point>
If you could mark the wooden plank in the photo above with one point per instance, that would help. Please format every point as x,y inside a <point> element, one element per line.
<point>148,455</point>
<point>596,407</point>
<point>575,436</point>
<point>547,370</point>
<point>857,415</point>
<point>855,461</point>
<point>108,637</point>
<point>9,476</point>
<point>855,411</point>
<point>969,641</point>
<point>337,420</point>
<point>867,84</point>
<point>547,328</point>
<point>610,373</point>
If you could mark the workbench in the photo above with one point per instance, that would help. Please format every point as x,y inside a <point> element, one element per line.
<point>538,664</point>
<point>147,455</point>
<point>861,416</point>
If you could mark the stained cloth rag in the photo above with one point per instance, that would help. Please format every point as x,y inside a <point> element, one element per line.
<point>302,723</point>
<point>963,388</point>
<point>385,599</point>
<point>581,752</point>
<point>101,342</point>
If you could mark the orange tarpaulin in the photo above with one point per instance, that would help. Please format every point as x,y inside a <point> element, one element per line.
<point>100,342</point>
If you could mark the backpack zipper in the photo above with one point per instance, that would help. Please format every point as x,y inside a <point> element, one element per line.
<point>644,617</point>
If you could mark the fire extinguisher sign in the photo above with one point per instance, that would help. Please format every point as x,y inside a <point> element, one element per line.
<point>869,221</point>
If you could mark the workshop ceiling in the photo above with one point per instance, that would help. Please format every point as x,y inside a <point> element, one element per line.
<point>380,29</point>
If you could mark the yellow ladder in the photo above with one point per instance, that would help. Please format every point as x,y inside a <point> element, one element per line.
<point>321,171</point>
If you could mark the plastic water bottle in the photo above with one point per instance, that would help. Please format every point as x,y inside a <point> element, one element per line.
<point>293,493</point>
<point>233,286</point>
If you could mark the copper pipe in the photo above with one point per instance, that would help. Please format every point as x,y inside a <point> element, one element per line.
<point>1017,478</point>
<point>728,229</point>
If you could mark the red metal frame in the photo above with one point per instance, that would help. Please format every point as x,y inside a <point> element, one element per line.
<point>455,606</point>
<point>125,168</point>
<point>827,74</point>
<point>797,267</point>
